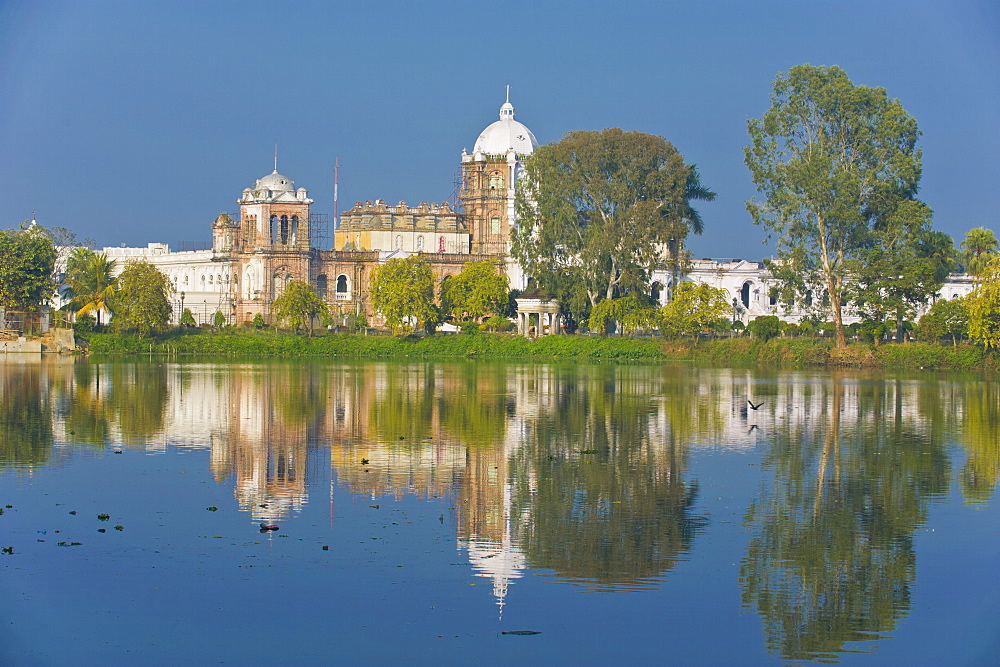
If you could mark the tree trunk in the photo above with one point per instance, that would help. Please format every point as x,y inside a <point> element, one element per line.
<point>839,337</point>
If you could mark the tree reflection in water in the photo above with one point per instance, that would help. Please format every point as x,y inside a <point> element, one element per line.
<point>982,441</point>
<point>600,481</point>
<point>25,414</point>
<point>831,560</point>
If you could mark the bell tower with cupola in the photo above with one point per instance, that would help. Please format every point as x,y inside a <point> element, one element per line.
<point>489,178</point>
<point>274,214</point>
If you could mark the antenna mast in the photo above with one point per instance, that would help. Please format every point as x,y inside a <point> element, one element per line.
<point>336,187</point>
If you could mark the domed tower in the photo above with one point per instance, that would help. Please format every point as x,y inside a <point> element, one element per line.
<point>274,214</point>
<point>489,178</point>
<point>225,235</point>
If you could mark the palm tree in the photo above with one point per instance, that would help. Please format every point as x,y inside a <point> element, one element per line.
<point>91,280</point>
<point>980,246</point>
<point>695,190</point>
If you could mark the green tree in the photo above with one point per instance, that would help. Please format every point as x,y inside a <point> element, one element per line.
<point>218,320</point>
<point>299,305</point>
<point>979,247</point>
<point>983,306</point>
<point>831,161</point>
<point>480,290</point>
<point>598,211</point>
<point>187,318</point>
<point>629,313</point>
<point>902,271</point>
<point>91,282</point>
<point>764,327</point>
<point>945,318</point>
<point>142,299</point>
<point>27,260</point>
<point>695,305</point>
<point>403,292</point>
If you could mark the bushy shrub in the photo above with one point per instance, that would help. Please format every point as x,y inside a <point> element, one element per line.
<point>764,327</point>
<point>84,325</point>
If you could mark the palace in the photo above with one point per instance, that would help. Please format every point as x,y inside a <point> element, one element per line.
<point>253,257</point>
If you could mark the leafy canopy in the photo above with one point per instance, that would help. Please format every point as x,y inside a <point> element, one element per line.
<point>403,292</point>
<point>833,163</point>
<point>27,258</point>
<point>141,301</point>
<point>945,318</point>
<point>695,305</point>
<point>983,306</point>
<point>298,306</point>
<point>630,313</point>
<point>480,290</point>
<point>599,211</point>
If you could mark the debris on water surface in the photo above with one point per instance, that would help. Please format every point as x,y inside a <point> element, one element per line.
<point>102,530</point>
<point>326,547</point>
<point>521,632</point>
<point>102,516</point>
<point>264,527</point>
<point>73,512</point>
<point>119,527</point>
<point>118,451</point>
<point>8,550</point>
<point>213,508</point>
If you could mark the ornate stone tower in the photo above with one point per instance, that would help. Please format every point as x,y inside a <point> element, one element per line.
<point>489,177</point>
<point>275,215</point>
<point>272,244</point>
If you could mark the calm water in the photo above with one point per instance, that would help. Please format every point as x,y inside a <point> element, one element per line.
<point>626,514</point>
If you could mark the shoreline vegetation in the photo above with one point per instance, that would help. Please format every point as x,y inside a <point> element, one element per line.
<point>737,351</point>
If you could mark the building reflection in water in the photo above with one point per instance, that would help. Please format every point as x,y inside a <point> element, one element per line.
<point>581,471</point>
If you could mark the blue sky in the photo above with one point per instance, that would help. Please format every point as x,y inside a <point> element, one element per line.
<point>131,122</point>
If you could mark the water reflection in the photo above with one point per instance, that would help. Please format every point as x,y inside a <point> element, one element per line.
<point>580,471</point>
<point>25,414</point>
<point>831,559</point>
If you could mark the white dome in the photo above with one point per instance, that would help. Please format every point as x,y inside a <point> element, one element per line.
<point>275,182</point>
<point>505,135</point>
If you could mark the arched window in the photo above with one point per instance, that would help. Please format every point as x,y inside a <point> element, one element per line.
<point>745,294</point>
<point>809,298</point>
<point>441,244</point>
<point>496,181</point>
<point>284,230</point>
<point>399,242</point>
<point>274,229</point>
<point>210,279</point>
<point>342,287</point>
<point>321,285</point>
<point>295,229</point>
<point>656,291</point>
<point>420,243</point>
<point>495,224</point>
<point>249,283</point>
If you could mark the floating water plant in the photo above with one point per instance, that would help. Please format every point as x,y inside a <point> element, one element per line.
<point>213,508</point>
<point>102,516</point>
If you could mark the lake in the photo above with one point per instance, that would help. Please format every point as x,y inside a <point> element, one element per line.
<point>162,512</point>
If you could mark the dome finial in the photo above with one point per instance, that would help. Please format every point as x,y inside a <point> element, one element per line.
<point>507,110</point>
<point>276,157</point>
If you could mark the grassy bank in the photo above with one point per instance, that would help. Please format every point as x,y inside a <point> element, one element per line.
<point>785,352</point>
<point>484,345</point>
